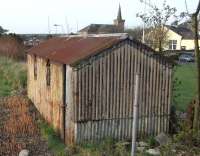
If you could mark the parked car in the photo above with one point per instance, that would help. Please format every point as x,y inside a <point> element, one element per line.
<point>186,57</point>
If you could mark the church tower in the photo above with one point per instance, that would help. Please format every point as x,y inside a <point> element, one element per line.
<point>119,22</point>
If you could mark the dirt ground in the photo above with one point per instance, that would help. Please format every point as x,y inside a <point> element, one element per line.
<point>18,128</point>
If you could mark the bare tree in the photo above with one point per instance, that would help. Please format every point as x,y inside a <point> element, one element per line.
<point>156,19</point>
<point>135,32</point>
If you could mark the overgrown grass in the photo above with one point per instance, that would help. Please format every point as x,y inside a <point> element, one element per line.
<point>12,76</point>
<point>185,78</point>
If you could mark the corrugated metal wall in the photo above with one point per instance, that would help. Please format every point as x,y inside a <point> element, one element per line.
<point>105,90</point>
<point>47,99</point>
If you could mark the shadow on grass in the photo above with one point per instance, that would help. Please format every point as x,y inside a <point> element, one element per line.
<point>54,142</point>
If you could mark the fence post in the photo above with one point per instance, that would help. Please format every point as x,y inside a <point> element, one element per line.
<point>135,115</point>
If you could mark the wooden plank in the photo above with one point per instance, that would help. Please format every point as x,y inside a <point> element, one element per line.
<point>169,95</point>
<point>86,89</point>
<point>80,94</point>
<point>141,92</point>
<point>104,90</point>
<point>100,89</point>
<point>139,69</point>
<point>161,96</point>
<point>118,84</point>
<point>121,88</point>
<point>125,81</point>
<point>112,85</point>
<point>148,110</point>
<point>128,86</point>
<point>132,66</point>
<point>164,96</point>
<point>97,87</point>
<point>154,96</point>
<point>108,86</point>
<point>145,83</point>
<point>115,83</point>
<point>93,89</point>
<point>158,95</point>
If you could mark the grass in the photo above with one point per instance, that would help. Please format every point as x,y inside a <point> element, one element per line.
<point>107,147</point>
<point>185,85</point>
<point>54,142</point>
<point>12,76</point>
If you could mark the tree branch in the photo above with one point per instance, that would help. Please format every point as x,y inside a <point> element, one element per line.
<point>198,9</point>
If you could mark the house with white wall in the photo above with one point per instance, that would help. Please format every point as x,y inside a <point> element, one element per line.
<point>179,38</point>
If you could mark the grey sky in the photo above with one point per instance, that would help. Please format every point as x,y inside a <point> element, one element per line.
<point>31,16</point>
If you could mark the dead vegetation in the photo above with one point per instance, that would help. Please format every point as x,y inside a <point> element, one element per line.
<point>19,129</point>
<point>12,46</point>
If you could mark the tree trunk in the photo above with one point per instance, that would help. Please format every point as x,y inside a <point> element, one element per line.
<point>197,104</point>
<point>160,46</point>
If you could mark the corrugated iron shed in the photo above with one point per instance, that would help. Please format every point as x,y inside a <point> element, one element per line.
<point>68,50</point>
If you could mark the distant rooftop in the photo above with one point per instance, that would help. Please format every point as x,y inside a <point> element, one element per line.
<point>185,32</point>
<point>100,28</point>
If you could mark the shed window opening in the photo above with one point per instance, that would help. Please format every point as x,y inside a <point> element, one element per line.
<point>48,74</point>
<point>172,44</point>
<point>35,67</point>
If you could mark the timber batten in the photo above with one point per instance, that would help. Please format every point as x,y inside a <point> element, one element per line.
<point>99,93</point>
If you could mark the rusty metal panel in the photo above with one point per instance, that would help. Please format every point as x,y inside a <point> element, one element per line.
<point>70,50</point>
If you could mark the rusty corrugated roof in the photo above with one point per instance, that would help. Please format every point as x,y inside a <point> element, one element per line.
<point>72,49</point>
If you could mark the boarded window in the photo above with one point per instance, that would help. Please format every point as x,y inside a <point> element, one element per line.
<point>48,74</point>
<point>35,67</point>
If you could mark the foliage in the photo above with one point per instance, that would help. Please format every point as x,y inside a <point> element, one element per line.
<point>156,19</point>
<point>186,143</point>
<point>12,75</point>
<point>151,141</point>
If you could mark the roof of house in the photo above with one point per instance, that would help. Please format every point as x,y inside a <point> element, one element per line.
<point>100,28</point>
<point>186,33</point>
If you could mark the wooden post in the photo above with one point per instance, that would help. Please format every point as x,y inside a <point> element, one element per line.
<point>135,116</point>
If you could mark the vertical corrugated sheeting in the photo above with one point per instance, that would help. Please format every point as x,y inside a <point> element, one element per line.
<point>105,91</point>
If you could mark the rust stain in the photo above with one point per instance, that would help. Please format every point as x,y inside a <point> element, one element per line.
<point>70,50</point>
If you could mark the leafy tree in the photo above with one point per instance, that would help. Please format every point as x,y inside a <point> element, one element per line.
<point>155,20</point>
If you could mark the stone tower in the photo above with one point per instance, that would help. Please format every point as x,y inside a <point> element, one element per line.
<point>119,22</point>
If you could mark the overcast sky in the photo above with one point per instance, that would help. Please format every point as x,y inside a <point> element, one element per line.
<point>31,16</point>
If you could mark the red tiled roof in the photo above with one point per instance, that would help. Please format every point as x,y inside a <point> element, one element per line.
<point>72,49</point>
